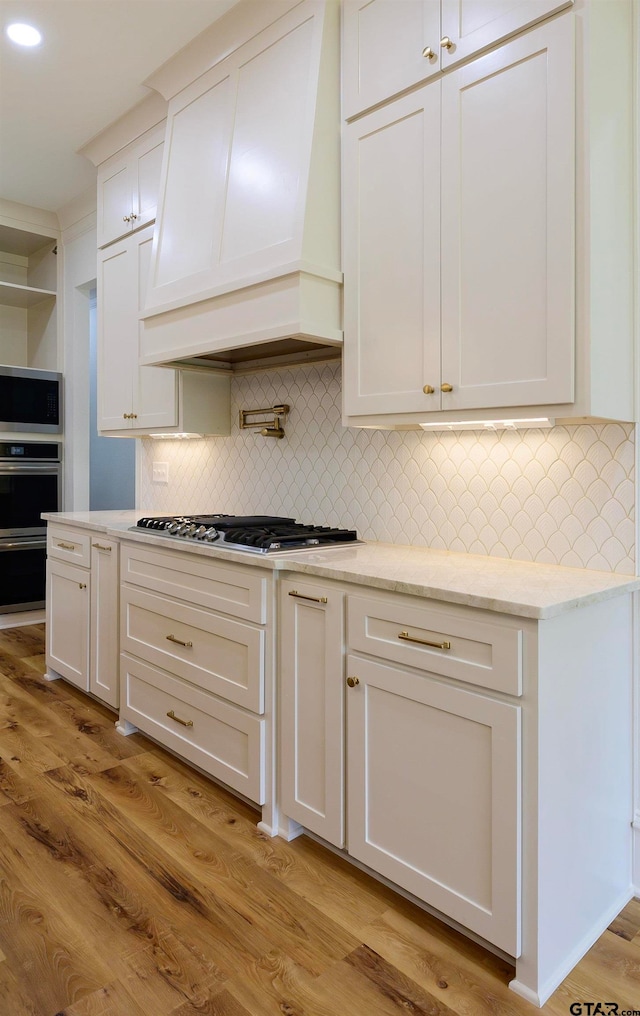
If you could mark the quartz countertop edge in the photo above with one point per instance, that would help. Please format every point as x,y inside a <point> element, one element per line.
<point>522,588</point>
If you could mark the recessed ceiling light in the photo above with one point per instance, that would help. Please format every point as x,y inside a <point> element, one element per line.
<point>24,35</point>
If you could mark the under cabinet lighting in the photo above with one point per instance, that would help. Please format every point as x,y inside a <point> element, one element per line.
<point>24,35</point>
<point>494,425</point>
<point>166,437</point>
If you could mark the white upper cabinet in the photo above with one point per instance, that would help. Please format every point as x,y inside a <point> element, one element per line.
<point>390,46</point>
<point>137,400</point>
<point>487,233</point>
<point>459,281</point>
<point>128,187</point>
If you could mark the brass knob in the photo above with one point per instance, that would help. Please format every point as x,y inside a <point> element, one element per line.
<point>446,387</point>
<point>428,389</point>
<point>82,585</point>
<point>446,43</point>
<point>353,681</point>
<point>428,53</point>
<point>133,216</point>
<point>133,416</point>
<point>126,218</point>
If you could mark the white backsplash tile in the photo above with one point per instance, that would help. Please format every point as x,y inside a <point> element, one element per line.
<point>564,496</point>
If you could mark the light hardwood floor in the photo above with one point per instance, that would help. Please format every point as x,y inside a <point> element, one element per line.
<point>132,886</point>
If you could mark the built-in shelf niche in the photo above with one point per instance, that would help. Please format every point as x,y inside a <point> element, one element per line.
<point>28,284</point>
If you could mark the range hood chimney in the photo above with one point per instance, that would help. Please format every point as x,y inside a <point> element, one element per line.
<point>245,266</point>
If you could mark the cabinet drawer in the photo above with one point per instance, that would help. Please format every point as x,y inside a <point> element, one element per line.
<point>217,737</point>
<point>212,652</point>
<point>488,655</point>
<point>203,582</point>
<point>71,545</point>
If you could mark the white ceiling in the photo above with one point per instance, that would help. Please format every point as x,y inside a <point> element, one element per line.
<point>85,74</point>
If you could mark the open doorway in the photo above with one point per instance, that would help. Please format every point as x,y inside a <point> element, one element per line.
<point>111,459</point>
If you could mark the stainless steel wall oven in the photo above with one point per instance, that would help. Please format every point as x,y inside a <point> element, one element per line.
<point>30,483</point>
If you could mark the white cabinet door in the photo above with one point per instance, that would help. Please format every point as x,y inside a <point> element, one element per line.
<point>508,265</point>
<point>434,795</point>
<point>311,696</point>
<point>391,213</point>
<point>128,187</point>
<point>388,46</point>
<point>392,45</point>
<point>469,26</point>
<point>104,650</point>
<point>129,396</point>
<point>68,595</point>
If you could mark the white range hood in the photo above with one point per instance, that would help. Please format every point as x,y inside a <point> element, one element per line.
<point>245,268</point>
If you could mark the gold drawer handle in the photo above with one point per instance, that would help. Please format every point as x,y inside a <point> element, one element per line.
<point>100,546</point>
<point>179,642</point>
<point>67,546</point>
<point>314,599</point>
<point>423,642</point>
<point>185,723</point>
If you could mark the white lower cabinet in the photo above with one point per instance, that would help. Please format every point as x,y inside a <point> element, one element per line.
<point>423,783</point>
<point>195,661</point>
<point>311,707</point>
<point>434,794</point>
<point>67,625</point>
<point>82,611</point>
<point>103,629</point>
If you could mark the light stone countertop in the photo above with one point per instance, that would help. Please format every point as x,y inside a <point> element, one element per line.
<point>510,587</point>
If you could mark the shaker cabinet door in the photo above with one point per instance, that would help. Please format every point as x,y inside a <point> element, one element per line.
<point>434,794</point>
<point>508,266</point>
<point>469,26</point>
<point>392,257</point>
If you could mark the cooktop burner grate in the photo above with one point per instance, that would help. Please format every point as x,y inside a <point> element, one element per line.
<point>262,534</point>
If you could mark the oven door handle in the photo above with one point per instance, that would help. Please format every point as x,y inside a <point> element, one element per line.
<point>28,468</point>
<point>22,544</point>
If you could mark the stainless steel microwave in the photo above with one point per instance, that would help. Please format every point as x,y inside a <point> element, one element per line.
<point>30,400</point>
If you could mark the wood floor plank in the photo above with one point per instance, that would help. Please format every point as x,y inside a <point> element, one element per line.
<point>51,962</point>
<point>23,641</point>
<point>170,889</point>
<point>23,752</point>
<point>343,893</point>
<point>451,968</point>
<point>98,723</point>
<point>112,1000</point>
<point>15,786</point>
<point>292,924</point>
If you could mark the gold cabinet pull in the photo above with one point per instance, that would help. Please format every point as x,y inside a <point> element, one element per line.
<point>428,389</point>
<point>428,53</point>
<point>446,42</point>
<point>82,585</point>
<point>446,387</point>
<point>179,642</point>
<point>353,681</point>
<point>100,546</point>
<point>185,723</point>
<point>423,642</point>
<point>67,546</point>
<point>314,599</point>
<point>126,218</point>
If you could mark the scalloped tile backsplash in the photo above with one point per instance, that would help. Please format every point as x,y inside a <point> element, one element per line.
<point>564,495</point>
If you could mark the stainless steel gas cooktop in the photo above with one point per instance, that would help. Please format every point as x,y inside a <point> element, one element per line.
<point>255,534</point>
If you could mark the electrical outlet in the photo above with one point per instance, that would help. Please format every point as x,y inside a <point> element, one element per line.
<point>160,472</point>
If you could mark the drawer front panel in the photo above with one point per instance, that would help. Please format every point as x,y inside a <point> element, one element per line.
<point>214,653</point>
<point>71,545</point>
<point>204,582</point>
<point>477,652</point>
<point>217,737</point>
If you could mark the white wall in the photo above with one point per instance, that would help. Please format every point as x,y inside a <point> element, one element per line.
<point>79,245</point>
